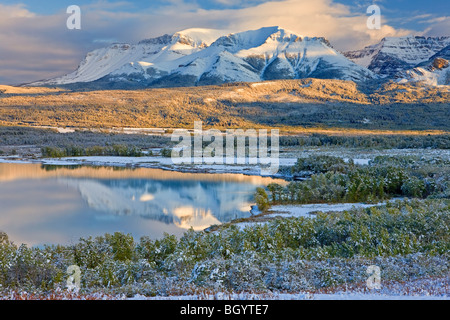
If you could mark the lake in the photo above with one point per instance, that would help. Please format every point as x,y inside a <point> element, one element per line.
<point>59,204</point>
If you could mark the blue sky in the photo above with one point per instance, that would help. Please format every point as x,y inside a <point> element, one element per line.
<point>395,10</point>
<point>35,44</point>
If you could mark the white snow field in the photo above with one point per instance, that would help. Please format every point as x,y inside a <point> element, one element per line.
<point>307,210</point>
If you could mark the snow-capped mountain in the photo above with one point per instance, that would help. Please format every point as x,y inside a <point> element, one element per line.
<point>146,57</point>
<point>397,55</point>
<point>204,56</point>
<point>434,71</point>
<point>267,54</point>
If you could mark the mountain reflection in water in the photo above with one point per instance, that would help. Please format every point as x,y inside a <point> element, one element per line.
<point>41,204</point>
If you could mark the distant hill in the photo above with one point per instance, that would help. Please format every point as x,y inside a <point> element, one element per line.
<point>276,103</point>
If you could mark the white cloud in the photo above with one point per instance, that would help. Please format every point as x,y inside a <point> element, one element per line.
<point>345,29</point>
<point>323,18</point>
<point>439,26</point>
<point>15,11</point>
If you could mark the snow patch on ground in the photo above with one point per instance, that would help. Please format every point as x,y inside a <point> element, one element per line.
<point>259,84</point>
<point>295,296</point>
<point>418,289</point>
<point>306,210</point>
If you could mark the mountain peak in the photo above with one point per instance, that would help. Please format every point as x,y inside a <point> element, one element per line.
<point>256,37</point>
<point>397,54</point>
<point>199,56</point>
<point>164,39</point>
<point>201,35</point>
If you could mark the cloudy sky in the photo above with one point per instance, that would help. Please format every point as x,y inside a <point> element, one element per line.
<point>36,44</point>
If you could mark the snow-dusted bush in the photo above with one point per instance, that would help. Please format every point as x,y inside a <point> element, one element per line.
<point>407,239</point>
<point>321,164</point>
<point>331,180</point>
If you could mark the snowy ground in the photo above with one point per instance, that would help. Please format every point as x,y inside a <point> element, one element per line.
<point>240,166</point>
<point>304,210</point>
<point>367,154</point>
<point>420,289</point>
<point>307,210</point>
<point>298,296</point>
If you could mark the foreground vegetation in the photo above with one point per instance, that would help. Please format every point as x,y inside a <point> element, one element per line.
<point>330,179</point>
<point>407,239</point>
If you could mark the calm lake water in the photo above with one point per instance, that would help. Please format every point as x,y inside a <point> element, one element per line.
<point>59,204</point>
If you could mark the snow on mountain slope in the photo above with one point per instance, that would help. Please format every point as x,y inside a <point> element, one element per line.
<point>435,71</point>
<point>393,55</point>
<point>204,56</point>
<point>286,55</point>
<point>265,54</point>
<point>130,59</point>
<point>429,77</point>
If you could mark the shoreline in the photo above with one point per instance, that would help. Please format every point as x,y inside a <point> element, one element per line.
<point>153,162</point>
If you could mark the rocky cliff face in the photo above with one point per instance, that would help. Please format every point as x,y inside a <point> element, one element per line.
<point>394,55</point>
<point>434,71</point>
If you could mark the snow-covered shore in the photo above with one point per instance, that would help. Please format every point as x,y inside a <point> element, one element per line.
<point>307,210</point>
<point>241,166</point>
<point>304,210</point>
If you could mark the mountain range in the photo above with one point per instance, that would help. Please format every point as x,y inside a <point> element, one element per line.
<point>412,58</point>
<point>195,57</point>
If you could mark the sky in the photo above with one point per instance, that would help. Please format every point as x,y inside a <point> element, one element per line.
<point>36,44</point>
